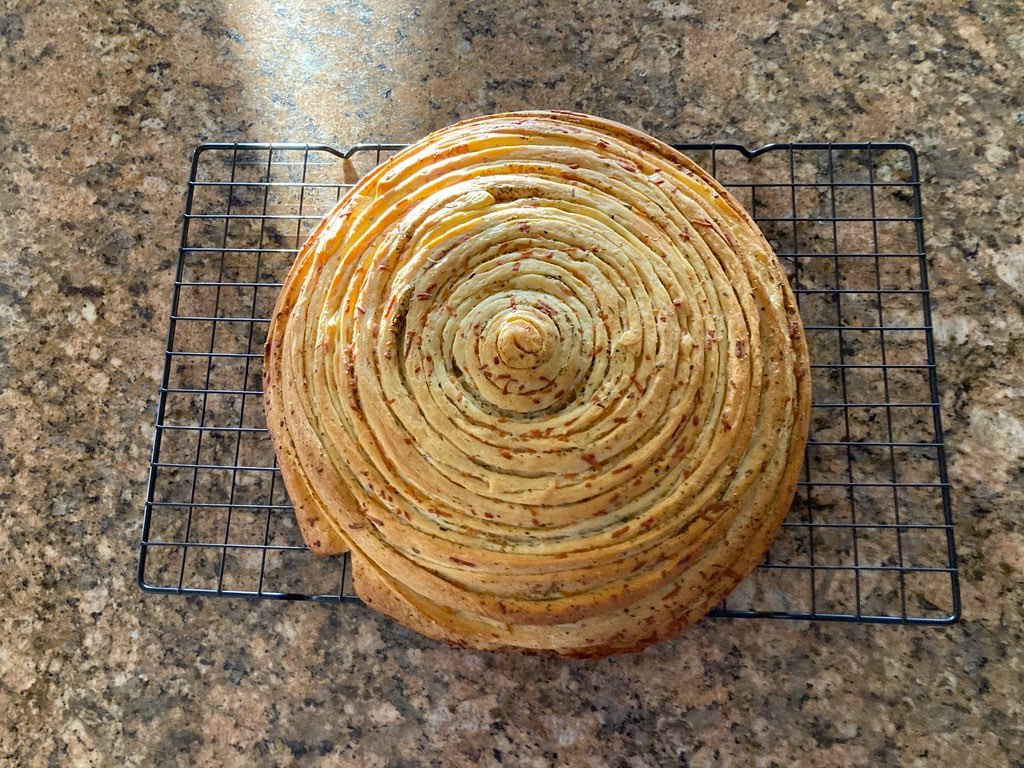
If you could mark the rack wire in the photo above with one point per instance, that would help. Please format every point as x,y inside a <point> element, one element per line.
<point>870,535</point>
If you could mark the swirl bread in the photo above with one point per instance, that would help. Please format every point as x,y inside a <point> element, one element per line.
<point>545,379</point>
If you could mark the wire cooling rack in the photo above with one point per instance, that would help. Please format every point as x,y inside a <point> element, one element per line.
<point>869,536</point>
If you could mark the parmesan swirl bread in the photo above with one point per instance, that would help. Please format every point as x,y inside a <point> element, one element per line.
<point>546,381</point>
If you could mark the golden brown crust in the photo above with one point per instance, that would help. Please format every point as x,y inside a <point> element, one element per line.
<point>546,381</point>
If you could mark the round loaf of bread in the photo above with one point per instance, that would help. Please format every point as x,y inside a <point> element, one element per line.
<point>545,380</point>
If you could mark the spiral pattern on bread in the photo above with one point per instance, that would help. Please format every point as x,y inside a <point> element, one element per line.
<point>545,380</point>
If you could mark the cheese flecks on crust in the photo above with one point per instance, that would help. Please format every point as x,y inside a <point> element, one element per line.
<point>546,381</point>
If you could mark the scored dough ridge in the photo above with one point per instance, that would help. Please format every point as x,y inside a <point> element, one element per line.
<point>545,380</point>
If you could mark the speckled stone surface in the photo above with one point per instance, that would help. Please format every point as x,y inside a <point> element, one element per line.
<point>102,105</point>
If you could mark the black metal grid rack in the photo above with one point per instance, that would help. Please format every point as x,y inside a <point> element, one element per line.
<point>870,535</point>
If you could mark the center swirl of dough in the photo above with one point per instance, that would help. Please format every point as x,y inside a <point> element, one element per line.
<point>523,342</point>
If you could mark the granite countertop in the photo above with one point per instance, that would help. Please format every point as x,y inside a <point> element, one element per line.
<point>103,103</point>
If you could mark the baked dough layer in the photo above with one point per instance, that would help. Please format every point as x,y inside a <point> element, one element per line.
<point>546,381</point>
